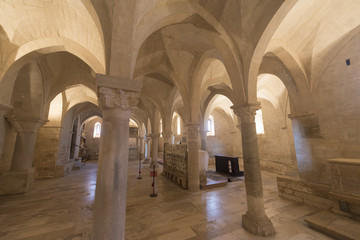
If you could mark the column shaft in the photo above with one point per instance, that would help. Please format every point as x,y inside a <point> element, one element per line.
<point>111,186</point>
<point>193,157</point>
<point>147,150</point>
<point>111,182</point>
<point>155,149</point>
<point>255,220</point>
<point>24,151</point>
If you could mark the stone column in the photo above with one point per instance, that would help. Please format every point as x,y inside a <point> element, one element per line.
<point>147,150</point>
<point>155,150</point>
<point>24,150</point>
<point>141,149</point>
<point>167,137</point>
<point>116,98</point>
<point>3,110</point>
<point>203,139</point>
<point>193,156</point>
<point>77,138</point>
<point>255,220</point>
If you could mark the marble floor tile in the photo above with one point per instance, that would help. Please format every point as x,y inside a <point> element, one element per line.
<point>61,208</point>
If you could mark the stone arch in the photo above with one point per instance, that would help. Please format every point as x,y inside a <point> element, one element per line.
<point>289,70</point>
<point>261,46</point>
<point>8,79</point>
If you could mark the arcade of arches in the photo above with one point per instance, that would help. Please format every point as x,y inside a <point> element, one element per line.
<point>111,81</point>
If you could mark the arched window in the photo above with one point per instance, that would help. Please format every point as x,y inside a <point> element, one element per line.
<point>178,126</point>
<point>161,129</point>
<point>97,130</point>
<point>259,122</point>
<point>211,126</point>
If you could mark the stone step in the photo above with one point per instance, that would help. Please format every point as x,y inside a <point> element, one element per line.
<point>334,225</point>
<point>213,183</point>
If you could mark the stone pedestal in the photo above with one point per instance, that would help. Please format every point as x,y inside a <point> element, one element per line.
<point>255,220</point>
<point>203,165</point>
<point>193,156</point>
<point>111,185</point>
<point>16,182</point>
<point>155,150</point>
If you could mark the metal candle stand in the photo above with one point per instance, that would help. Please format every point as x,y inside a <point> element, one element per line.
<point>153,194</point>
<point>139,177</point>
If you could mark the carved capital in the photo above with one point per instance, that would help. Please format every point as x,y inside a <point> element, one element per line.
<point>193,130</point>
<point>117,98</point>
<point>155,135</point>
<point>246,113</point>
<point>167,134</point>
<point>29,125</point>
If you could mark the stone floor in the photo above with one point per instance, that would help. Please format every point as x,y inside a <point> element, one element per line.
<point>61,209</point>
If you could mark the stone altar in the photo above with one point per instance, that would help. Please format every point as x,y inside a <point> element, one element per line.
<point>345,184</point>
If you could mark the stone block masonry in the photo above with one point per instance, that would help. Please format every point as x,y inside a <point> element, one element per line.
<point>298,190</point>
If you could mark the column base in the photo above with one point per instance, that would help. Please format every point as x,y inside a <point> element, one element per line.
<point>146,161</point>
<point>156,164</point>
<point>16,182</point>
<point>194,187</point>
<point>62,170</point>
<point>261,226</point>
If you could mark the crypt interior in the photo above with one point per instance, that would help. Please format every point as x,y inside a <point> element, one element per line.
<point>100,97</point>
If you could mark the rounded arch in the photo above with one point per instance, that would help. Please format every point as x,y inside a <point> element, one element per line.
<point>9,72</point>
<point>261,46</point>
<point>222,102</point>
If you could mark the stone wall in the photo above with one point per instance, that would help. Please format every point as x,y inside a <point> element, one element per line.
<point>92,144</point>
<point>338,115</point>
<point>227,139</point>
<point>47,144</point>
<point>298,190</point>
<point>276,145</point>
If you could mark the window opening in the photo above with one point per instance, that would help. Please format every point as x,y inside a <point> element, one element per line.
<point>211,126</point>
<point>178,127</point>
<point>259,122</point>
<point>97,130</point>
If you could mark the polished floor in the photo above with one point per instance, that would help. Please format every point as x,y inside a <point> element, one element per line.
<point>61,209</point>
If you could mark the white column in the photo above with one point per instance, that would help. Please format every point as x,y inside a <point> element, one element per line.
<point>111,185</point>
<point>193,156</point>
<point>147,149</point>
<point>155,150</point>
<point>255,219</point>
